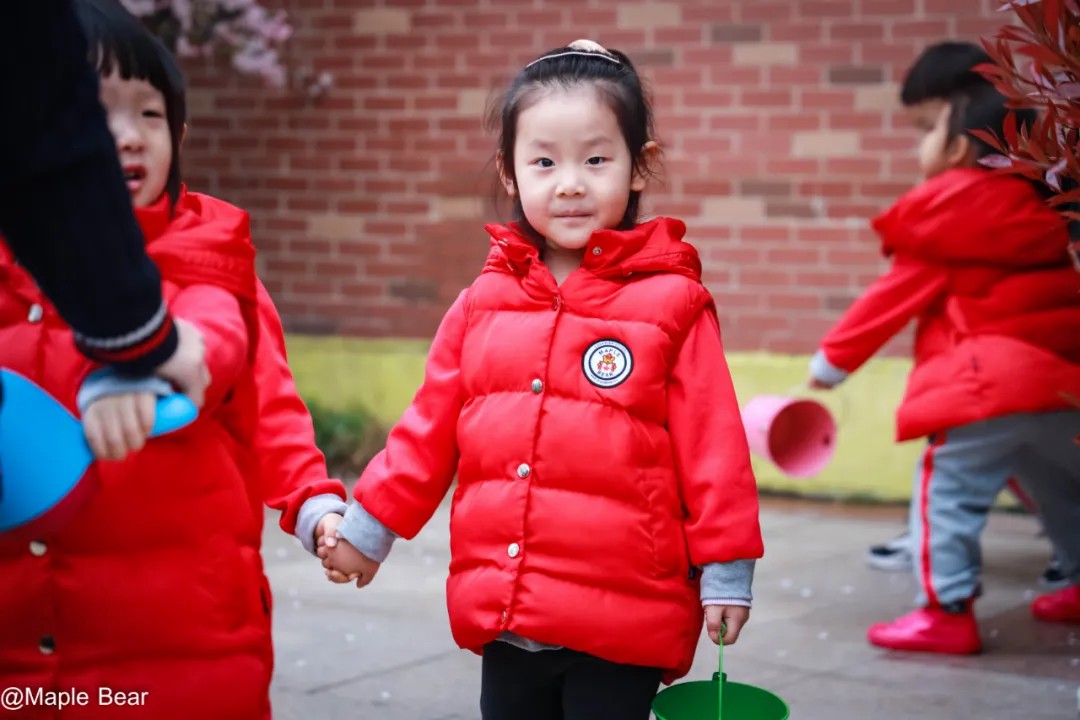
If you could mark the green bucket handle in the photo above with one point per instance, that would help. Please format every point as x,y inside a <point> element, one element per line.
<point>720,677</point>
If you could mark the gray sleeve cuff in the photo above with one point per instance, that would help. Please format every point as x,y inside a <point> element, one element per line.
<point>314,509</point>
<point>107,381</point>
<point>727,583</point>
<point>825,372</point>
<point>366,534</point>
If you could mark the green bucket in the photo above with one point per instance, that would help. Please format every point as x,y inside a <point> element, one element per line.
<point>718,699</point>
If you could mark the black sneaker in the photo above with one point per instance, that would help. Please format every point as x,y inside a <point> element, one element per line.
<point>893,556</point>
<point>1052,578</point>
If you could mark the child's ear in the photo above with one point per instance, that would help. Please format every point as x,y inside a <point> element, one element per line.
<point>960,152</point>
<point>650,153</point>
<point>506,180</point>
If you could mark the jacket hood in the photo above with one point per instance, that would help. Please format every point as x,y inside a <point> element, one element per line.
<point>970,215</point>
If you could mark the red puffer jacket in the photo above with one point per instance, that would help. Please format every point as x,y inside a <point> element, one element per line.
<point>598,448</point>
<point>981,262</point>
<point>157,585</point>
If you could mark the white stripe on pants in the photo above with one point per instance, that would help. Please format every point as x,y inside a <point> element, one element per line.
<point>960,475</point>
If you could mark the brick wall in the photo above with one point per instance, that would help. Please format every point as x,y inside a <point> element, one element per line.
<point>777,118</point>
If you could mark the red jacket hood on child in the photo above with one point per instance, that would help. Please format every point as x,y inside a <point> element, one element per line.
<point>598,448</point>
<point>156,583</point>
<point>982,263</point>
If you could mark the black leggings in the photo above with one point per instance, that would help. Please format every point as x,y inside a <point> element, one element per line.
<point>562,685</point>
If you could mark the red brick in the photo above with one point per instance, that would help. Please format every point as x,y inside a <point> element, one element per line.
<point>299,203</point>
<point>793,121</point>
<point>782,75</point>
<point>792,301</point>
<point>856,31</point>
<point>384,103</point>
<point>854,210</point>
<point>826,189</point>
<point>735,122</point>
<point>675,36</point>
<point>765,234</point>
<point>764,277</point>
<point>706,144</point>
<point>827,54</point>
<point>798,31</point>
<point>736,300</point>
<point>356,207</point>
<point>900,55</point>
<point>874,142</point>
<point>883,190</point>
<point>856,121</point>
<point>919,29</point>
<point>510,39</point>
<point>767,98</point>
<point>707,13</point>
<point>709,187</point>
<point>758,10</point>
<point>821,279</point>
<point>707,99</point>
<point>777,166</point>
<point>897,8</point>
<point>855,166</point>
<point>827,99</point>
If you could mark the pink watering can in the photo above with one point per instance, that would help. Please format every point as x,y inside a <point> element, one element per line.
<point>797,435</point>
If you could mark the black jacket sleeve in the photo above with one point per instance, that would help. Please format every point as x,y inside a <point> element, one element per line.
<point>64,208</point>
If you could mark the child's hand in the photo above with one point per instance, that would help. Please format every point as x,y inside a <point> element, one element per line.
<point>734,616</point>
<point>118,424</point>
<point>344,563</point>
<point>814,384</point>
<point>327,527</point>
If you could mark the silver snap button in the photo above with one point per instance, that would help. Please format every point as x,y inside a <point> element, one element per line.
<point>37,548</point>
<point>524,471</point>
<point>36,313</point>
<point>596,251</point>
<point>514,550</point>
<point>537,386</point>
<point>47,646</point>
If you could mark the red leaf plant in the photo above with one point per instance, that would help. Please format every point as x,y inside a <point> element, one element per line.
<point>1036,65</point>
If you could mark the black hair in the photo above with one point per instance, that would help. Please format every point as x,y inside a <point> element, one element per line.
<point>617,83</point>
<point>941,70</point>
<point>982,107</point>
<point>118,41</point>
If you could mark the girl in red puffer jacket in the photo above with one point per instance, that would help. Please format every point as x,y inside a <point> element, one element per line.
<point>982,264</point>
<point>155,588</point>
<point>578,390</point>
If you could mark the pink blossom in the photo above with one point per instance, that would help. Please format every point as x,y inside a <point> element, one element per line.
<point>252,33</point>
<point>1053,175</point>
<point>996,161</point>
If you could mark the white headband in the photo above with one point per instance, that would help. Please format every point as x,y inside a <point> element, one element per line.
<point>575,52</point>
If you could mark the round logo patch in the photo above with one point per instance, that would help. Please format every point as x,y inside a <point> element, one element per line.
<point>607,363</point>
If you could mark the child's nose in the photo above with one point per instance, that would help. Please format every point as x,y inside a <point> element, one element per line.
<point>127,138</point>
<point>570,184</point>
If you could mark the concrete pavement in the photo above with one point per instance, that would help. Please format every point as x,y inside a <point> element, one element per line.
<point>386,653</point>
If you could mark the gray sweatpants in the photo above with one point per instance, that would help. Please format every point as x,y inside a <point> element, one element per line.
<point>961,473</point>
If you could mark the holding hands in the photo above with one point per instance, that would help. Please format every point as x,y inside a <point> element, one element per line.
<point>342,561</point>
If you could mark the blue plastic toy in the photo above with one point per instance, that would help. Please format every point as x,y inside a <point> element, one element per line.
<point>43,451</point>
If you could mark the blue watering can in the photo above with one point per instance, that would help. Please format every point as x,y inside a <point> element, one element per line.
<point>43,451</point>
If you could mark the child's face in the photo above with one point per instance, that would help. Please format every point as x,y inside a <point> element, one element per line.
<point>936,155</point>
<point>924,115</point>
<point>136,113</point>
<point>574,173</point>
